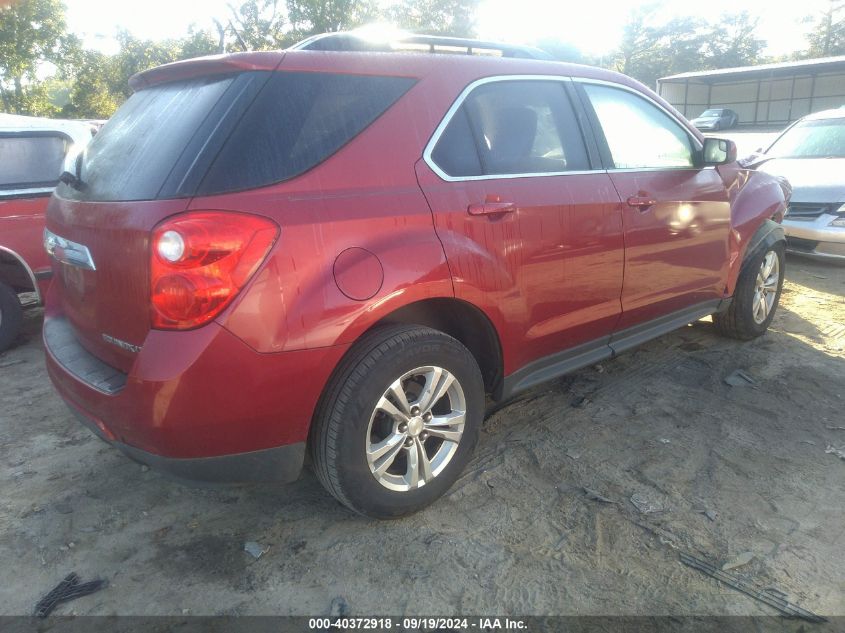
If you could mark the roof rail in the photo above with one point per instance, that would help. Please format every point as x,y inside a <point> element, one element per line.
<point>353,41</point>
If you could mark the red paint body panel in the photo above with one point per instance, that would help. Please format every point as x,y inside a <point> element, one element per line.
<point>204,393</point>
<point>548,275</point>
<point>676,250</point>
<point>114,299</point>
<point>22,230</point>
<point>571,263</point>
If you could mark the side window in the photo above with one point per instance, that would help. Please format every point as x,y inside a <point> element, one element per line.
<point>512,127</point>
<point>638,133</point>
<point>455,152</point>
<point>30,162</point>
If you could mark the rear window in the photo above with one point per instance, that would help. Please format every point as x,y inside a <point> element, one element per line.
<point>227,133</point>
<point>31,161</point>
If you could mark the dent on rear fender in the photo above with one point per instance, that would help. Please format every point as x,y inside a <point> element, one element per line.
<point>755,197</point>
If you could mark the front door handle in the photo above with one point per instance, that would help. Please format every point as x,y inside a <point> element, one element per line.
<point>642,203</point>
<point>492,206</point>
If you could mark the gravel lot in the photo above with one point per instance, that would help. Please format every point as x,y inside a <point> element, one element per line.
<point>517,534</point>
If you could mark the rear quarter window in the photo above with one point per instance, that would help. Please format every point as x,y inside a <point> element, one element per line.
<point>298,121</point>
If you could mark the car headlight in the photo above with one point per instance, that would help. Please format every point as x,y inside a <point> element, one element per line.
<point>840,221</point>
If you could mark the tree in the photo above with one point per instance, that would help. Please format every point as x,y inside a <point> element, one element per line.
<point>255,25</point>
<point>827,37</point>
<point>651,49</point>
<point>101,82</point>
<point>445,17</point>
<point>732,41</point>
<point>309,17</point>
<point>32,34</point>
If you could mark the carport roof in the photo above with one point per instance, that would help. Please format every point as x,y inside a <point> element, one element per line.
<point>804,66</point>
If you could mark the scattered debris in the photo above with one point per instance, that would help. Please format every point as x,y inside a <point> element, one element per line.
<point>710,514</point>
<point>572,454</point>
<point>839,452</point>
<point>144,468</point>
<point>811,443</point>
<point>68,589</point>
<point>739,378</point>
<point>835,428</point>
<point>592,495</point>
<point>9,363</point>
<point>648,503</point>
<point>664,440</point>
<point>772,598</point>
<point>738,561</point>
<point>579,402</point>
<point>63,507</point>
<point>256,550</point>
<point>339,608</point>
<point>162,532</point>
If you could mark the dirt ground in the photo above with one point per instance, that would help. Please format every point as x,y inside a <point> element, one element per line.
<point>517,534</point>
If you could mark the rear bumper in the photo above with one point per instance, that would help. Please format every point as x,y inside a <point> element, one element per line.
<point>816,238</point>
<point>199,404</point>
<point>279,465</point>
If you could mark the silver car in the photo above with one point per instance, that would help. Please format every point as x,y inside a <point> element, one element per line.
<point>810,154</point>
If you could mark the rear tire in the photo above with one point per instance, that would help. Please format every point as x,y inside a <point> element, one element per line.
<point>11,316</point>
<point>398,422</point>
<point>756,295</point>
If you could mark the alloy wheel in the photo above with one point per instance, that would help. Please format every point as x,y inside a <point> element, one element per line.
<point>415,428</point>
<point>766,288</point>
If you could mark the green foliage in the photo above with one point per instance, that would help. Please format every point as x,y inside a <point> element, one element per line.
<point>102,81</point>
<point>732,41</point>
<point>309,17</point>
<point>446,17</point>
<point>32,33</point>
<point>827,37</point>
<point>651,48</point>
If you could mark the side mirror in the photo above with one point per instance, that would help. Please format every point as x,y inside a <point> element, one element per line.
<point>719,151</point>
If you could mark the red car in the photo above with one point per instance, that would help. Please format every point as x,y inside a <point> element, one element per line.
<point>343,254</point>
<point>32,152</point>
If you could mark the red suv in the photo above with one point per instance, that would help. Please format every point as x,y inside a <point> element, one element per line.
<point>344,254</point>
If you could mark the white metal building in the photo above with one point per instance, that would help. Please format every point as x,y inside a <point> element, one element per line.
<point>765,95</point>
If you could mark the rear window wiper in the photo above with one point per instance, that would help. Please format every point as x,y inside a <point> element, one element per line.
<point>71,178</point>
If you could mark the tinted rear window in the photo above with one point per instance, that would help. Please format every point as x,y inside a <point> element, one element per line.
<point>228,133</point>
<point>31,161</point>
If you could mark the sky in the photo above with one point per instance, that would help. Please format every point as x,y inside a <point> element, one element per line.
<point>593,27</point>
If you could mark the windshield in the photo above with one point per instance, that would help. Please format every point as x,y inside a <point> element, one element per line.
<point>709,113</point>
<point>822,138</point>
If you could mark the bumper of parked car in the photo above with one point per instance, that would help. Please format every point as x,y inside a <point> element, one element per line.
<point>199,405</point>
<point>816,238</point>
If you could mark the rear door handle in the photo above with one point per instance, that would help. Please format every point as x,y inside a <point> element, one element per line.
<point>642,203</point>
<point>491,208</point>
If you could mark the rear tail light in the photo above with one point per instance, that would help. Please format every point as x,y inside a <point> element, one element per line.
<point>200,261</point>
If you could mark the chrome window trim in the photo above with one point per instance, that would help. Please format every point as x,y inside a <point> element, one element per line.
<point>28,270</point>
<point>67,251</point>
<point>29,191</point>
<point>438,132</point>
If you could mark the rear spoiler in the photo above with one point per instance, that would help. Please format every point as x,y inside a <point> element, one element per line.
<point>212,65</point>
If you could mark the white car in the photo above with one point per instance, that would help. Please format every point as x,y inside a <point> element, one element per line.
<point>810,154</point>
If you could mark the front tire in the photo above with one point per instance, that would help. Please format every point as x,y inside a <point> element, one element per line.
<point>11,316</point>
<point>756,297</point>
<point>398,421</point>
